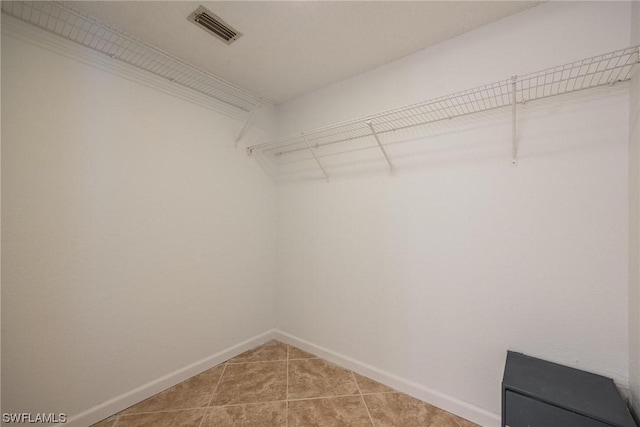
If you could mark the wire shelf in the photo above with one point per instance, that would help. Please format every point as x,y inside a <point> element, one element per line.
<point>66,21</point>
<point>601,70</point>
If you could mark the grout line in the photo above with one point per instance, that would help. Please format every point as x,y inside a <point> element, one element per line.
<point>123,414</point>
<point>287,400</point>
<point>286,396</point>
<point>219,406</point>
<point>385,392</point>
<point>454,419</point>
<point>248,403</point>
<point>322,397</point>
<point>241,362</point>
<point>161,411</point>
<point>362,397</point>
<point>367,409</point>
<point>117,419</point>
<point>224,369</point>
<point>353,376</point>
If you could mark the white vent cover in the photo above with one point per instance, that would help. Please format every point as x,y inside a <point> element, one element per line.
<point>213,24</point>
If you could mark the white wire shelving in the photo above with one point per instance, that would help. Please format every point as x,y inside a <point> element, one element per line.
<point>606,69</point>
<point>66,21</point>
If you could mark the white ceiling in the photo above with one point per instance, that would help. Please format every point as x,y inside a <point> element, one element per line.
<point>289,49</point>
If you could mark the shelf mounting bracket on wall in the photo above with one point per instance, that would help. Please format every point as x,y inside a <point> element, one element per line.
<point>514,140</point>
<point>247,124</point>
<point>315,156</point>
<point>384,152</point>
<point>588,73</point>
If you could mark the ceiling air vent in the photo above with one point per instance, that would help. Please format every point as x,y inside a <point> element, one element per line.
<point>209,21</point>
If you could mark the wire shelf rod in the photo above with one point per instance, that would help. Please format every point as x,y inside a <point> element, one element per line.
<point>317,145</point>
<point>384,152</point>
<point>600,70</point>
<point>75,25</point>
<point>379,132</point>
<point>315,156</point>
<point>439,115</point>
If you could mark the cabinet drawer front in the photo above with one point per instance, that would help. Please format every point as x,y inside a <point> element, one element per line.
<point>522,411</point>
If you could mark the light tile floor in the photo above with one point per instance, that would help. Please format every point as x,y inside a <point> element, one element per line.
<point>280,385</point>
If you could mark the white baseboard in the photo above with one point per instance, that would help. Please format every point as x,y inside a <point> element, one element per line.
<point>119,403</point>
<point>434,397</point>
<point>441,400</point>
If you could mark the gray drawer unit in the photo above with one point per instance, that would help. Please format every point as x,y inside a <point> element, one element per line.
<point>537,393</point>
<point>525,411</point>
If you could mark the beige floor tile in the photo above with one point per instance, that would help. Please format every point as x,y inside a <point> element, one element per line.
<point>319,378</point>
<point>296,353</point>
<point>188,418</point>
<point>401,410</point>
<point>367,385</point>
<point>329,412</point>
<point>251,383</point>
<point>271,351</point>
<point>464,423</point>
<point>192,393</point>
<point>270,414</point>
<point>251,391</point>
<point>109,422</point>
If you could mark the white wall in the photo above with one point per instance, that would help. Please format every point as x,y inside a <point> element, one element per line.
<point>537,38</point>
<point>634,222</point>
<point>135,239</point>
<point>431,275</point>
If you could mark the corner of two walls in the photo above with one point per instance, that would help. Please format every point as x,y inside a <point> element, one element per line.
<point>137,243</point>
<point>429,276</point>
<point>366,266</point>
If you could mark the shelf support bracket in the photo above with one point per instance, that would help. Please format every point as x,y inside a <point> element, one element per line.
<point>247,125</point>
<point>315,156</point>
<point>514,140</point>
<point>384,152</point>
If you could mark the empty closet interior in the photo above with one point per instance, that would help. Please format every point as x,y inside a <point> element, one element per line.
<point>182,182</point>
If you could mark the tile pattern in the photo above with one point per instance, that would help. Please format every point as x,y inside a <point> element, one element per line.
<point>271,351</point>
<point>368,386</point>
<point>188,418</point>
<point>319,378</point>
<point>108,422</point>
<point>278,385</point>
<point>330,412</point>
<point>251,415</point>
<point>296,353</point>
<point>392,409</point>
<point>251,383</point>
<point>192,393</point>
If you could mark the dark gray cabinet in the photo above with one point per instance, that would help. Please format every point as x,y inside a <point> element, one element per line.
<point>537,393</point>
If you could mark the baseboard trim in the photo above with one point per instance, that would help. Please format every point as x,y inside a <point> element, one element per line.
<point>119,403</point>
<point>434,397</point>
